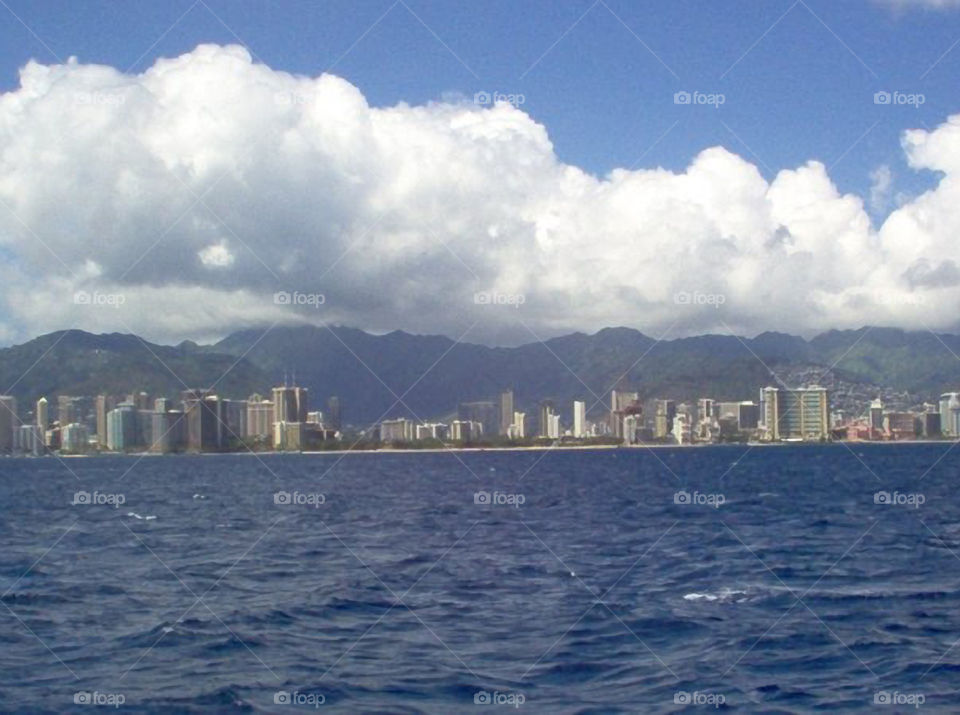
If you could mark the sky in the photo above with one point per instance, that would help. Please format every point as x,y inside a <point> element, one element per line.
<point>494,171</point>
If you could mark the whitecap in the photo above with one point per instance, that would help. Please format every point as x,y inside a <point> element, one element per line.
<point>135,515</point>
<point>724,595</point>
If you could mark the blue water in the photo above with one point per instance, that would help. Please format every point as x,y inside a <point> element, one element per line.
<point>398,593</point>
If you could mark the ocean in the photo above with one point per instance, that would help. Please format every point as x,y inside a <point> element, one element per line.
<point>774,579</point>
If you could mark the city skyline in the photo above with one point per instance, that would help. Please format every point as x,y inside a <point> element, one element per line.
<point>206,422</point>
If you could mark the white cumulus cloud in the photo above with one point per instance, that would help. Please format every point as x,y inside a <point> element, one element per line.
<point>207,184</point>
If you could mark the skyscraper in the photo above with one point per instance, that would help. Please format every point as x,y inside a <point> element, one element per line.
<point>205,419</point>
<point>8,422</point>
<point>290,404</point>
<point>103,405</point>
<point>579,419</point>
<point>333,416</point>
<point>43,413</point>
<point>663,419</point>
<point>949,419</point>
<point>518,428</point>
<point>506,411</point>
<point>122,427</point>
<point>621,404</point>
<point>796,414</point>
<point>549,420</point>
<point>260,417</point>
<point>67,412</point>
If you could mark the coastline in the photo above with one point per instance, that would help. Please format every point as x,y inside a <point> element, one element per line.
<point>525,448</point>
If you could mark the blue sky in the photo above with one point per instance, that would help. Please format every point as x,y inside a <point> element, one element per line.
<point>238,150</point>
<point>798,77</point>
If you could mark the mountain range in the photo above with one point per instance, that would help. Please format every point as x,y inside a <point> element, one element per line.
<point>426,376</point>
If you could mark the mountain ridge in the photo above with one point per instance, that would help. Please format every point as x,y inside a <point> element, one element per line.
<point>426,376</point>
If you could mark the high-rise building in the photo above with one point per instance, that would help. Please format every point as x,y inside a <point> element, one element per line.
<point>706,409</point>
<point>801,414</point>
<point>291,404</point>
<point>630,428</point>
<point>206,420</point>
<point>333,418</point>
<point>74,438</point>
<point>518,428</point>
<point>289,436</point>
<point>285,404</point>
<point>43,413</point>
<point>900,425</point>
<point>506,412</point>
<point>69,409</point>
<point>553,426</point>
<point>745,414</point>
<point>102,406</point>
<point>434,430</point>
<point>235,416</point>
<point>122,427</point>
<point>484,412</point>
<point>28,439</point>
<point>950,414</point>
<point>168,431</point>
<point>623,404</point>
<point>260,417</point>
<point>465,430</point>
<point>680,429</point>
<point>876,415</point>
<point>398,430</point>
<point>547,413</point>
<point>930,423</point>
<point>8,422</point>
<point>663,418</point>
<point>579,419</point>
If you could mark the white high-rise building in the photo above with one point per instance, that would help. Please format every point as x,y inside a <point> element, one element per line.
<point>518,429</point>
<point>579,419</point>
<point>553,426</point>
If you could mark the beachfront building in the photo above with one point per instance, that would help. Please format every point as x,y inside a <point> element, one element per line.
<point>399,430</point>
<point>579,419</point>
<point>800,414</point>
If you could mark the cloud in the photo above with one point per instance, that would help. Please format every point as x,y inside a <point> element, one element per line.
<point>930,4</point>
<point>881,182</point>
<point>204,187</point>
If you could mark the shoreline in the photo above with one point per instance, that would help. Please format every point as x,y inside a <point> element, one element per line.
<point>525,448</point>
